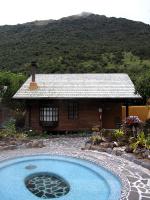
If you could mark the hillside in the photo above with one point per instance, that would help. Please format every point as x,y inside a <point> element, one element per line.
<point>72,43</point>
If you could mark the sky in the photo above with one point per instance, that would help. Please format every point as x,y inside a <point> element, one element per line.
<point>21,11</point>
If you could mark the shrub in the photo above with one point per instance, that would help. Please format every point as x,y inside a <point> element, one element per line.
<point>96,139</point>
<point>10,127</point>
<point>10,131</point>
<point>118,134</point>
<point>148,142</point>
<point>140,142</point>
<point>132,124</point>
<point>147,126</point>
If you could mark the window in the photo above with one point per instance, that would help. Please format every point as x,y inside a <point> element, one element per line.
<point>73,110</point>
<point>48,114</point>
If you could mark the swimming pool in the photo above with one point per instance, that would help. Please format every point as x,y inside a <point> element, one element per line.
<point>56,177</point>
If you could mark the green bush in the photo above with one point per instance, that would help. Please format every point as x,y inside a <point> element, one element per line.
<point>10,131</point>
<point>96,139</point>
<point>140,142</point>
<point>118,133</point>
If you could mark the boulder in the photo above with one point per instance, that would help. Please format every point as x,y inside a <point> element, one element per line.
<point>2,144</point>
<point>118,151</point>
<point>128,149</point>
<point>13,142</point>
<point>9,147</point>
<point>109,150</point>
<point>29,145</point>
<point>115,144</point>
<point>105,145</point>
<point>146,154</point>
<point>37,144</point>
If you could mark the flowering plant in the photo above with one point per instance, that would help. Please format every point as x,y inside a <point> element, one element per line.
<point>132,121</point>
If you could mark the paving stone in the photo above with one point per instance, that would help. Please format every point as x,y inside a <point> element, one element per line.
<point>134,189</point>
<point>142,189</point>
<point>146,165</point>
<point>145,198</point>
<point>145,176</point>
<point>128,157</point>
<point>144,181</point>
<point>133,196</point>
<point>139,162</point>
<point>132,179</point>
<point>146,194</point>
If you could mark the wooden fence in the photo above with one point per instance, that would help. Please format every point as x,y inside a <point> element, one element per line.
<point>143,112</point>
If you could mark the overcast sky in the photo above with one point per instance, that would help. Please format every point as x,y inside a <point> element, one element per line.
<point>20,11</point>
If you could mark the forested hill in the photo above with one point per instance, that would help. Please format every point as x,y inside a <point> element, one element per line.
<point>73,44</point>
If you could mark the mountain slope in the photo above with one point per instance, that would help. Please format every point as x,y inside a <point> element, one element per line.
<point>69,41</point>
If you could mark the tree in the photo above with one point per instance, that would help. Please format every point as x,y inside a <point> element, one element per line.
<point>9,84</point>
<point>143,85</point>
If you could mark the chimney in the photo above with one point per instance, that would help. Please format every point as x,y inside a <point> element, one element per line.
<point>33,85</point>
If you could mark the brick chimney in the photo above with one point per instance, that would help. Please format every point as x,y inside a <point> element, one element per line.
<point>33,85</point>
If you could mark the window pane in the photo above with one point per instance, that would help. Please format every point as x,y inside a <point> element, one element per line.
<point>48,114</point>
<point>73,110</point>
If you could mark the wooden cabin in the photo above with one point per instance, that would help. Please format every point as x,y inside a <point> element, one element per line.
<point>72,102</point>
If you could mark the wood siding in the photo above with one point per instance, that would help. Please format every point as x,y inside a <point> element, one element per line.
<point>88,115</point>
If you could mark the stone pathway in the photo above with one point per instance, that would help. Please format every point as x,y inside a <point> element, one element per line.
<point>135,179</point>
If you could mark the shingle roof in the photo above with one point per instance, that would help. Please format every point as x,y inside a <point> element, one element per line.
<point>79,86</point>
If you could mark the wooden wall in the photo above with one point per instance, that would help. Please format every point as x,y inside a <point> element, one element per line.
<point>87,119</point>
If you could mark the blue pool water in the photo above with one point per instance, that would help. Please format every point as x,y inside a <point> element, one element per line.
<point>79,179</point>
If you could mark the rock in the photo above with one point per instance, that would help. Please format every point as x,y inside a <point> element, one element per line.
<point>109,150</point>
<point>137,161</point>
<point>115,144</point>
<point>23,146</point>
<point>25,140</point>
<point>13,142</point>
<point>98,148</point>
<point>104,139</point>
<point>4,148</point>
<point>87,145</point>
<point>146,154</point>
<point>128,149</point>
<point>102,149</point>
<point>41,144</point>
<point>133,195</point>
<point>113,152</point>
<point>2,144</point>
<point>129,157</point>
<point>105,145</point>
<point>146,165</point>
<point>37,143</point>
<point>120,143</point>
<point>29,145</point>
<point>9,147</point>
<point>119,152</point>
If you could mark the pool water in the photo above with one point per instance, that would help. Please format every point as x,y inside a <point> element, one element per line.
<point>56,177</point>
